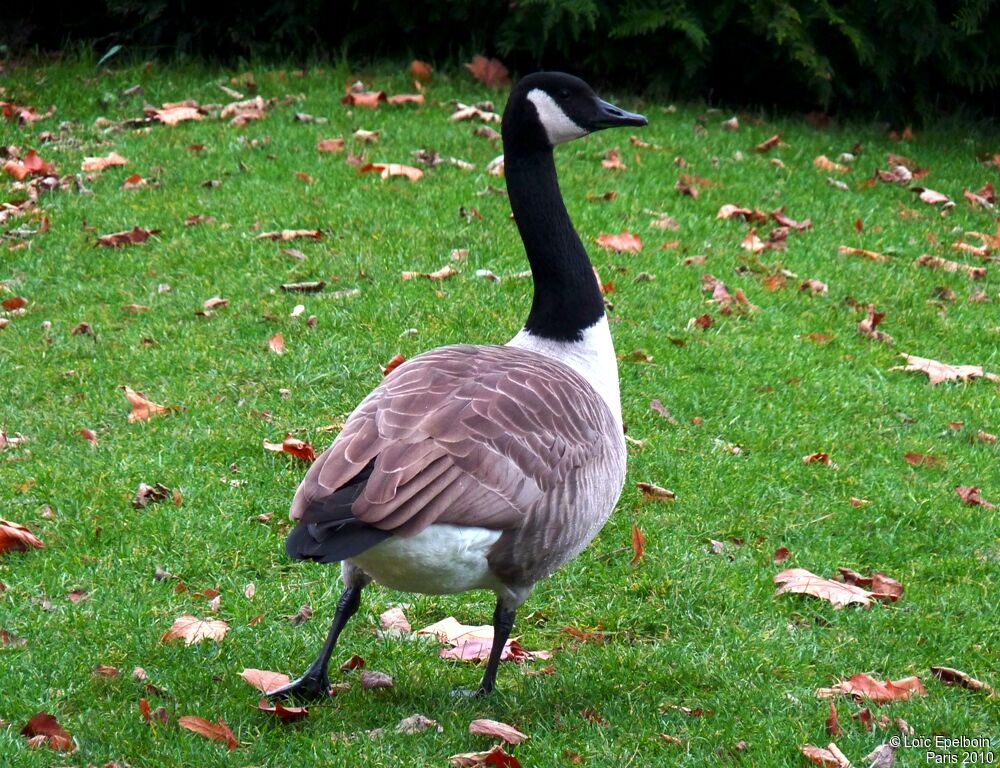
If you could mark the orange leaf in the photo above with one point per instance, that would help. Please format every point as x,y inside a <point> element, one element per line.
<point>826,164</point>
<point>369,99</point>
<point>486,727</point>
<point>218,731</point>
<point>100,163</point>
<point>407,98</point>
<point>290,234</point>
<point>14,536</point>
<point>969,494</point>
<point>45,727</point>
<point>330,145</point>
<point>192,630</point>
<point>613,160</point>
<point>495,757</point>
<point>133,236</point>
<point>421,70</point>
<point>490,72</point>
<point>625,241</point>
<point>801,581</point>
<point>14,303</point>
<point>638,544</point>
<point>393,169</point>
<point>284,714</point>
<point>865,687</point>
<point>277,344</point>
<point>174,114</point>
<point>767,144</point>
<point>264,680</point>
<point>651,491</point>
<point>828,757</point>
<point>848,251</point>
<point>142,407</point>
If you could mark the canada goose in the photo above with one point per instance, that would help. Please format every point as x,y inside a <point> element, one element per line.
<point>484,467</point>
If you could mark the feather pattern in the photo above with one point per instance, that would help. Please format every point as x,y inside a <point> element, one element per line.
<point>491,437</point>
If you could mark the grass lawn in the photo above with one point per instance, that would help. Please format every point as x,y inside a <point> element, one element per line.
<point>749,397</point>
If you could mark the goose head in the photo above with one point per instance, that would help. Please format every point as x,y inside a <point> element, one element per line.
<point>550,108</point>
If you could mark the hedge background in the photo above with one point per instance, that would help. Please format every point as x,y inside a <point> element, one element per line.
<point>891,58</point>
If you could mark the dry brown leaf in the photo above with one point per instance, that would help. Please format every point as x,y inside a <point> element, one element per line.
<point>277,343</point>
<point>729,210</point>
<point>969,494</point>
<point>492,758</point>
<point>881,586</point>
<point>638,544</point>
<point>494,728</point>
<point>421,70</point>
<point>192,630</point>
<point>767,144</point>
<point>863,686</point>
<point>832,723</point>
<point>43,728</point>
<point>817,458</point>
<point>264,680</point>
<point>145,494</point>
<point>828,757</point>
<point>846,250</point>
<point>801,581</point>
<point>868,326</point>
<point>330,145</point>
<point>452,632</point>
<point>752,243</point>
<point>824,163</point>
<point>417,723</point>
<point>290,234</point>
<point>174,114</point>
<point>780,217</point>
<point>613,160</point>
<point>651,491</point>
<point>300,449</point>
<point>31,165</point>
<point>142,407</point>
<point>622,242</point>
<point>283,713</point>
<point>814,286</point>
<point>100,163</point>
<point>14,536</point>
<point>490,72</point>
<point>950,676</point>
<point>936,262</point>
<point>394,618</point>
<point>134,236</point>
<point>217,731</point>
<point>938,372</point>
<point>407,98</point>
<point>931,197</point>
<point>385,170</point>
<point>370,679</point>
<point>369,99</point>
<point>445,272</point>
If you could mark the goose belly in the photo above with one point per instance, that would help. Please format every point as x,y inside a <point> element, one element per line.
<point>442,559</point>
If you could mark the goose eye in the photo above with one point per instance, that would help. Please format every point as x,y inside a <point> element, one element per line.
<point>563,94</point>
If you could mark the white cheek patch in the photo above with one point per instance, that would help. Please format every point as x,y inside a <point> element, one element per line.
<point>558,127</point>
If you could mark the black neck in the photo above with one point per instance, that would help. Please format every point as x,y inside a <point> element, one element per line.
<point>567,298</point>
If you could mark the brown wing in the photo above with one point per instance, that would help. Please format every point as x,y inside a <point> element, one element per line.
<point>474,435</point>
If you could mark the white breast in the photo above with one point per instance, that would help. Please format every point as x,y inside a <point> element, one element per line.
<point>593,357</point>
<point>440,560</point>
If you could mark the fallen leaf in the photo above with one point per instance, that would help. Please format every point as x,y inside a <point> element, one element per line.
<point>494,757</point>
<point>134,236</point>
<point>651,491</point>
<point>31,165</point>
<point>494,728</point>
<point>370,679</point>
<point>828,757</point>
<point>14,536</point>
<point>613,160</point>
<point>421,70</point>
<point>801,581</point>
<point>417,724</point>
<point>817,458</point>
<point>781,554</point>
<point>863,686</point>
<point>369,99</point>
<point>923,460</point>
<point>881,586</point>
<point>950,676</point>
<point>931,197</point>
<point>172,115</point>
<point>290,234</point>
<point>283,713</point>
<point>780,217</point>
<point>623,242</point>
<point>936,262</point>
<point>394,618</point>
<point>330,145</point>
<point>394,362</point>
<point>393,169</point>
<point>867,327</point>
<point>490,72</point>
<point>832,724</point>
<point>217,731</point>
<point>355,662</point>
<point>445,272</point>
<point>300,449</point>
<point>100,163</point>
<point>407,98</point>
<point>938,372</point>
<point>145,494</point>
<point>264,680</point>
<point>845,250</point>
<point>969,494</point>
<point>729,211</point>
<point>47,730</point>
<point>638,544</point>
<point>452,632</point>
<point>14,303</point>
<point>277,344</point>
<point>142,407</point>
<point>192,630</point>
<point>815,287</point>
<point>824,163</point>
<point>767,144</point>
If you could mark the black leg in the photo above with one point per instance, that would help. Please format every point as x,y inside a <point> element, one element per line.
<point>503,623</point>
<point>315,684</point>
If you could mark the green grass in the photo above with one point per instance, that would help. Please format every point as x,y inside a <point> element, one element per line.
<point>687,627</point>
